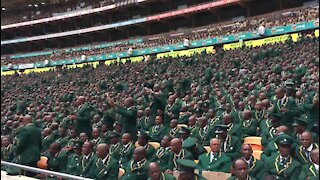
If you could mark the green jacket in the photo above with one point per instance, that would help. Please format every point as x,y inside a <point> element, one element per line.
<point>220,163</point>
<point>300,153</point>
<point>184,154</point>
<point>130,118</point>
<point>157,133</point>
<point>311,111</point>
<point>308,171</point>
<point>62,141</point>
<point>231,146</point>
<point>73,165</point>
<point>87,166</point>
<point>46,142</point>
<point>249,128</point>
<point>29,144</point>
<point>235,178</point>
<point>107,170</point>
<point>83,121</point>
<point>114,150</point>
<point>7,154</point>
<point>165,176</point>
<point>53,162</point>
<point>161,156</point>
<point>290,105</point>
<point>150,151</point>
<point>290,170</point>
<point>174,132</point>
<point>137,170</point>
<point>256,168</point>
<point>204,135</point>
<point>126,154</point>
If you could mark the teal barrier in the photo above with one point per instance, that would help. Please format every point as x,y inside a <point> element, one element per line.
<point>220,40</point>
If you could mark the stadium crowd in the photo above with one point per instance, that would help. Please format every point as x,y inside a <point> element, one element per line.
<point>279,18</point>
<point>94,121</point>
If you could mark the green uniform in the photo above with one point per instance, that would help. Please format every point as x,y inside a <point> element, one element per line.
<point>126,153</point>
<point>161,156</point>
<point>234,130</point>
<point>106,170</point>
<point>231,146</point>
<point>218,163</point>
<point>283,171</point>
<point>137,170</point>
<point>46,142</point>
<point>184,154</point>
<point>183,117</point>
<point>290,105</point>
<point>235,178</point>
<point>157,132</point>
<point>150,151</point>
<point>62,141</point>
<point>83,121</point>
<point>114,150</point>
<point>174,132</point>
<point>308,171</point>
<point>311,110</point>
<point>301,154</point>
<point>204,135</point>
<point>53,162</point>
<point>248,128</point>
<point>87,166</point>
<point>165,176</point>
<point>73,165</point>
<point>144,123</point>
<point>7,154</point>
<point>255,168</point>
<point>130,118</point>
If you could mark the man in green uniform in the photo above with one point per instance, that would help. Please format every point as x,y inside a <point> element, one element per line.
<point>240,171</point>
<point>129,113</point>
<point>303,152</point>
<point>158,131</point>
<point>248,125</point>
<point>205,132</point>
<point>174,130</point>
<point>28,145</point>
<point>126,151</point>
<point>7,150</point>
<point>156,174</point>
<point>83,116</point>
<point>311,171</point>
<point>53,157</point>
<point>255,166</point>
<point>143,140</point>
<point>215,160</point>
<point>230,145</point>
<point>106,167</point>
<point>87,160</point>
<point>115,145</point>
<point>186,169</point>
<point>162,154</point>
<point>63,139</point>
<point>283,165</point>
<point>137,168</point>
<point>74,159</point>
<point>48,138</point>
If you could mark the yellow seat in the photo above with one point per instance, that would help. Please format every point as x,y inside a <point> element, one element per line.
<point>257,154</point>
<point>155,144</point>
<point>181,125</point>
<point>43,162</point>
<point>207,148</point>
<point>196,161</point>
<point>256,147</point>
<point>252,140</point>
<point>121,172</point>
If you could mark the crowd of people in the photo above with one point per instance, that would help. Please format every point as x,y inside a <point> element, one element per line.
<point>18,16</point>
<point>301,14</point>
<point>95,121</point>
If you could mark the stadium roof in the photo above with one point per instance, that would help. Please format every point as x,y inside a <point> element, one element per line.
<point>23,4</point>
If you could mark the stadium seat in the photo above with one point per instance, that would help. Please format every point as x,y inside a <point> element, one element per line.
<point>257,154</point>
<point>121,172</point>
<point>207,148</point>
<point>181,125</point>
<point>255,143</point>
<point>43,162</point>
<point>156,145</point>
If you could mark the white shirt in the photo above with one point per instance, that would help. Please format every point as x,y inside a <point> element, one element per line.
<point>316,166</point>
<point>104,160</point>
<point>283,99</point>
<point>286,158</point>
<point>248,161</point>
<point>309,149</point>
<point>211,156</point>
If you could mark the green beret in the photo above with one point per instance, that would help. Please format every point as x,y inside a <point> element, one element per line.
<point>185,129</point>
<point>77,145</point>
<point>302,120</point>
<point>186,165</point>
<point>189,142</point>
<point>284,140</point>
<point>113,134</point>
<point>289,82</point>
<point>144,134</point>
<point>221,128</point>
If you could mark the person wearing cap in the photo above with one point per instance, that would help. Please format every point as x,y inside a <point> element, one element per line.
<point>283,165</point>
<point>87,160</point>
<point>215,160</point>
<point>158,131</point>
<point>106,167</point>
<point>126,151</point>
<point>311,171</point>
<point>191,144</point>
<point>285,105</point>
<point>184,115</point>
<point>303,152</point>
<point>177,152</point>
<point>186,169</point>
<point>230,145</point>
<point>299,126</point>
<point>240,171</point>
<point>143,140</point>
<point>255,166</point>
<point>137,168</point>
<point>155,173</point>
<point>115,146</point>
<point>74,159</point>
<point>184,133</point>
<point>161,156</point>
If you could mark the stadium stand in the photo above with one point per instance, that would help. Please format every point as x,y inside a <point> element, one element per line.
<point>239,110</point>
